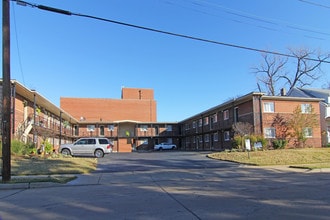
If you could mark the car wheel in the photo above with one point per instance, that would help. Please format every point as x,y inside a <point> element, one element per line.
<point>98,153</point>
<point>160,148</point>
<point>66,152</point>
<point>173,148</point>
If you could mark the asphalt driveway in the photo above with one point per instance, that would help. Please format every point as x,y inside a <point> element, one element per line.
<point>174,185</point>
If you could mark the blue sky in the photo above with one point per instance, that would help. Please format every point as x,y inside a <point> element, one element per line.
<point>72,56</point>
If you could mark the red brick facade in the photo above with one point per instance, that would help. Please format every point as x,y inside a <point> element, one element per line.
<point>135,105</point>
<point>131,122</point>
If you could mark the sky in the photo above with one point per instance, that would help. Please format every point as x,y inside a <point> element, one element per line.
<point>75,56</point>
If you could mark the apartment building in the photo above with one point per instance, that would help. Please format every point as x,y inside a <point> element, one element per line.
<point>213,128</point>
<point>35,119</point>
<point>131,121</point>
<point>324,95</point>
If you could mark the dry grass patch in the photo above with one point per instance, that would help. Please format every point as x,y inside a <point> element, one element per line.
<point>312,158</point>
<point>39,165</point>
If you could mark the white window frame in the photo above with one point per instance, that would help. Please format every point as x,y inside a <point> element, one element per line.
<point>270,132</point>
<point>308,132</point>
<point>306,108</point>
<point>269,107</point>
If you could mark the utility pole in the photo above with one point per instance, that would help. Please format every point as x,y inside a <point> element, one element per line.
<point>6,96</point>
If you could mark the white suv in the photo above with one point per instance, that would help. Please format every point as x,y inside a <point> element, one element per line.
<point>87,146</point>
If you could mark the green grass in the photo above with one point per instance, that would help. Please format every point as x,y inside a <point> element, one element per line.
<point>309,158</point>
<point>49,169</point>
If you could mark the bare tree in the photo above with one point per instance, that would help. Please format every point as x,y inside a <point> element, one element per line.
<point>243,128</point>
<point>307,71</point>
<point>270,72</point>
<point>274,72</point>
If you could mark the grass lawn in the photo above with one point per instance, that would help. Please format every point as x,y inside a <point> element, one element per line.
<point>309,158</point>
<point>49,169</point>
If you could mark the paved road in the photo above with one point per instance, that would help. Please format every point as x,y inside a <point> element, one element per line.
<point>174,185</point>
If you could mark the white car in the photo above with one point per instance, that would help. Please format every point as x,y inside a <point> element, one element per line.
<point>165,146</point>
<point>87,146</point>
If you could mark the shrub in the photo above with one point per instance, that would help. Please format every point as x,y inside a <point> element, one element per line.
<point>48,147</point>
<point>18,147</point>
<point>237,142</point>
<point>279,143</point>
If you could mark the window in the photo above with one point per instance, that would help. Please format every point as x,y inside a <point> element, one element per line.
<point>236,114</point>
<point>227,136</point>
<point>215,137</point>
<point>215,118</point>
<point>194,139</point>
<point>194,124</point>
<point>103,141</point>
<point>91,141</point>
<point>206,120</point>
<point>143,127</point>
<point>111,127</point>
<point>186,126</point>
<point>200,122</point>
<point>102,130</point>
<point>306,108</point>
<point>269,132</point>
<point>169,127</point>
<point>76,130</point>
<point>207,137</point>
<point>308,132</point>
<point>269,107</point>
<point>225,115</point>
<point>90,127</point>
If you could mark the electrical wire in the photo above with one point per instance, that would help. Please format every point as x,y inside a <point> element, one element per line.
<point>278,24</point>
<point>65,12</point>
<point>315,4</point>
<point>17,45</point>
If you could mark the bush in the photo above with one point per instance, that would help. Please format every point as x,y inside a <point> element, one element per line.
<point>48,147</point>
<point>237,142</point>
<point>279,143</point>
<point>18,147</point>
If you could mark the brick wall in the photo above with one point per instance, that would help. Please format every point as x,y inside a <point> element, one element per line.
<point>128,108</point>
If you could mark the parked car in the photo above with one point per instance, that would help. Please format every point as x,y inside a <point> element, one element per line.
<point>165,146</point>
<point>87,147</point>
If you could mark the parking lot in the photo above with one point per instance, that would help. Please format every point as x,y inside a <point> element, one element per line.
<point>174,185</point>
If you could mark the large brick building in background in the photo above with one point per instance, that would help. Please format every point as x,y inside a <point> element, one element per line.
<point>131,121</point>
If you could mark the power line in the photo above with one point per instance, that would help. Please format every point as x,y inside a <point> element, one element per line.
<point>315,4</point>
<point>278,24</point>
<point>17,45</point>
<point>65,12</point>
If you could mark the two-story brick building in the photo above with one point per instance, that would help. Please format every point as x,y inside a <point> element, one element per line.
<point>131,121</point>
<point>213,128</point>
